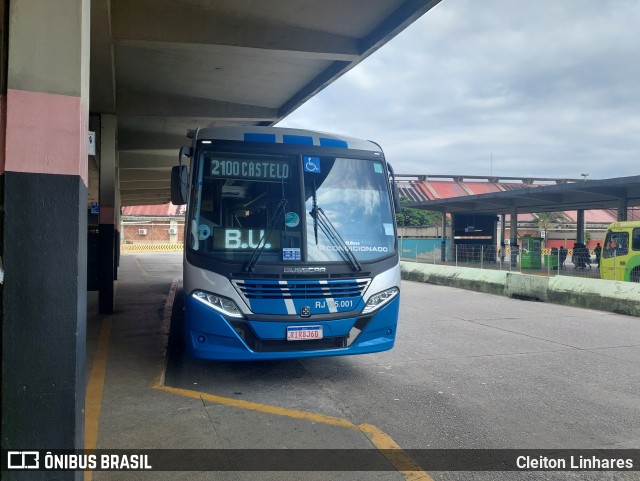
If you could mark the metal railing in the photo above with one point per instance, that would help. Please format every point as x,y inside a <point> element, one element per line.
<point>550,262</point>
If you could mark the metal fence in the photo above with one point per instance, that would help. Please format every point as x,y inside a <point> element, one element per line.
<point>550,262</point>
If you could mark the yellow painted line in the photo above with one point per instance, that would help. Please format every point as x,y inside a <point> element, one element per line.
<point>263,408</point>
<point>400,460</point>
<point>168,307</point>
<point>95,389</point>
<point>139,264</point>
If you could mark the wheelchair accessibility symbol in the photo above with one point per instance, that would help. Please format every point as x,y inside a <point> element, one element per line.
<point>311,164</point>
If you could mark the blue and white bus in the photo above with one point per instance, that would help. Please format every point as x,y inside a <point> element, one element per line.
<point>290,244</point>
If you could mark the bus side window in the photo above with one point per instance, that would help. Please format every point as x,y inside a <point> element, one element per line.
<point>609,247</point>
<point>635,242</point>
<point>623,244</point>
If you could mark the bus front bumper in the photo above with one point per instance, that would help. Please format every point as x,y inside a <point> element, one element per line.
<point>209,335</point>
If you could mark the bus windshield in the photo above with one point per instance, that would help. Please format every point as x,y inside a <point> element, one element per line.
<point>236,197</point>
<point>616,244</point>
<point>353,194</point>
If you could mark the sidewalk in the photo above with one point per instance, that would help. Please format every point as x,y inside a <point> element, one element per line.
<point>129,408</point>
<point>570,270</point>
<point>605,295</point>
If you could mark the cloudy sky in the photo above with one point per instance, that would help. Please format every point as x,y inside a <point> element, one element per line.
<point>546,88</point>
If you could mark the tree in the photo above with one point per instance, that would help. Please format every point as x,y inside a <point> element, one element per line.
<point>409,216</point>
<point>547,220</point>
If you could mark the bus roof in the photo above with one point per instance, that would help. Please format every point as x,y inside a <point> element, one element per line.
<point>281,135</point>
<point>624,224</point>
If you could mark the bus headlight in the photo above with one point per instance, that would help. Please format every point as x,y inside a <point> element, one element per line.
<point>378,300</point>
<point>221,304</point>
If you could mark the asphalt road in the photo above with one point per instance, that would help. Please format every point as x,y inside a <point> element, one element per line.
<point>469,370</point>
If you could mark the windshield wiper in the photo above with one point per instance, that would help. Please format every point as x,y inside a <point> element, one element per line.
<point>251,264</point>
<point>326,226</point>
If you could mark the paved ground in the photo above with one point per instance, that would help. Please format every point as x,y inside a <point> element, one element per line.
<point>469,370</point>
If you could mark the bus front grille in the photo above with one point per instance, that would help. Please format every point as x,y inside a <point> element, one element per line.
<point>330,289</point>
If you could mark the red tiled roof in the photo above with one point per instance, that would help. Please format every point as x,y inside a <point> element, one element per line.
<point>594,216</point>
<point>427,193</point>
<point>522,217</point>
<point>482,187</point>
<point>445,189</point>
<point>162,210</point>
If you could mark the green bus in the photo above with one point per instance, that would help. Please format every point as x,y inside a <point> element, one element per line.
<point>620,259</point>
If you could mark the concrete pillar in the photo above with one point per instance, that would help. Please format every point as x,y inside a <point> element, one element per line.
<point>117,225</point>
<point>513,241</point>
<point>44,164</point>
<point>443,241</point>
<point>622,209</point>
<point>452,241</point>
<point>503,231</point>
<point>493,256</point>
<point>580,237</point>
<point>107,237</point>
<point>4,39</point>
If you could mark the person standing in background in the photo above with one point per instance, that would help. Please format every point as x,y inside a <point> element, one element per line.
<point>597,251</point>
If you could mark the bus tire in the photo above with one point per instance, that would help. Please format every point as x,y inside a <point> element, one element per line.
<point>635,275</point>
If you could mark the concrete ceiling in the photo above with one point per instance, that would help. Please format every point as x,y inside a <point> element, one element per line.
<point>165,66</point>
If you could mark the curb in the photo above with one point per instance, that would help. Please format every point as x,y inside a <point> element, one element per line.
<point>611,296</point>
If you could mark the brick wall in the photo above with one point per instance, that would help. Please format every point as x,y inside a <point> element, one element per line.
<point>157,233</point>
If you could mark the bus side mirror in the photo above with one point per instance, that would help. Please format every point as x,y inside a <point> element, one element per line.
<point>394,189</point>
<point>396,199</point>
<point>179,182</point>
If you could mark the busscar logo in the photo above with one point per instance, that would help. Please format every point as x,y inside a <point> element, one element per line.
<point>304,270</point>
<point>23,460</point>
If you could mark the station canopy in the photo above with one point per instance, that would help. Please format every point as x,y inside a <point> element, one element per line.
<point>533,198</point>
<point>166,66</point>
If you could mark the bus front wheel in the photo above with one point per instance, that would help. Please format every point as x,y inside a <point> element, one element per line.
<point>635,275</point>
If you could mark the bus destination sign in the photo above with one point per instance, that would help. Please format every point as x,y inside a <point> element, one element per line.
<point>250,169</point>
